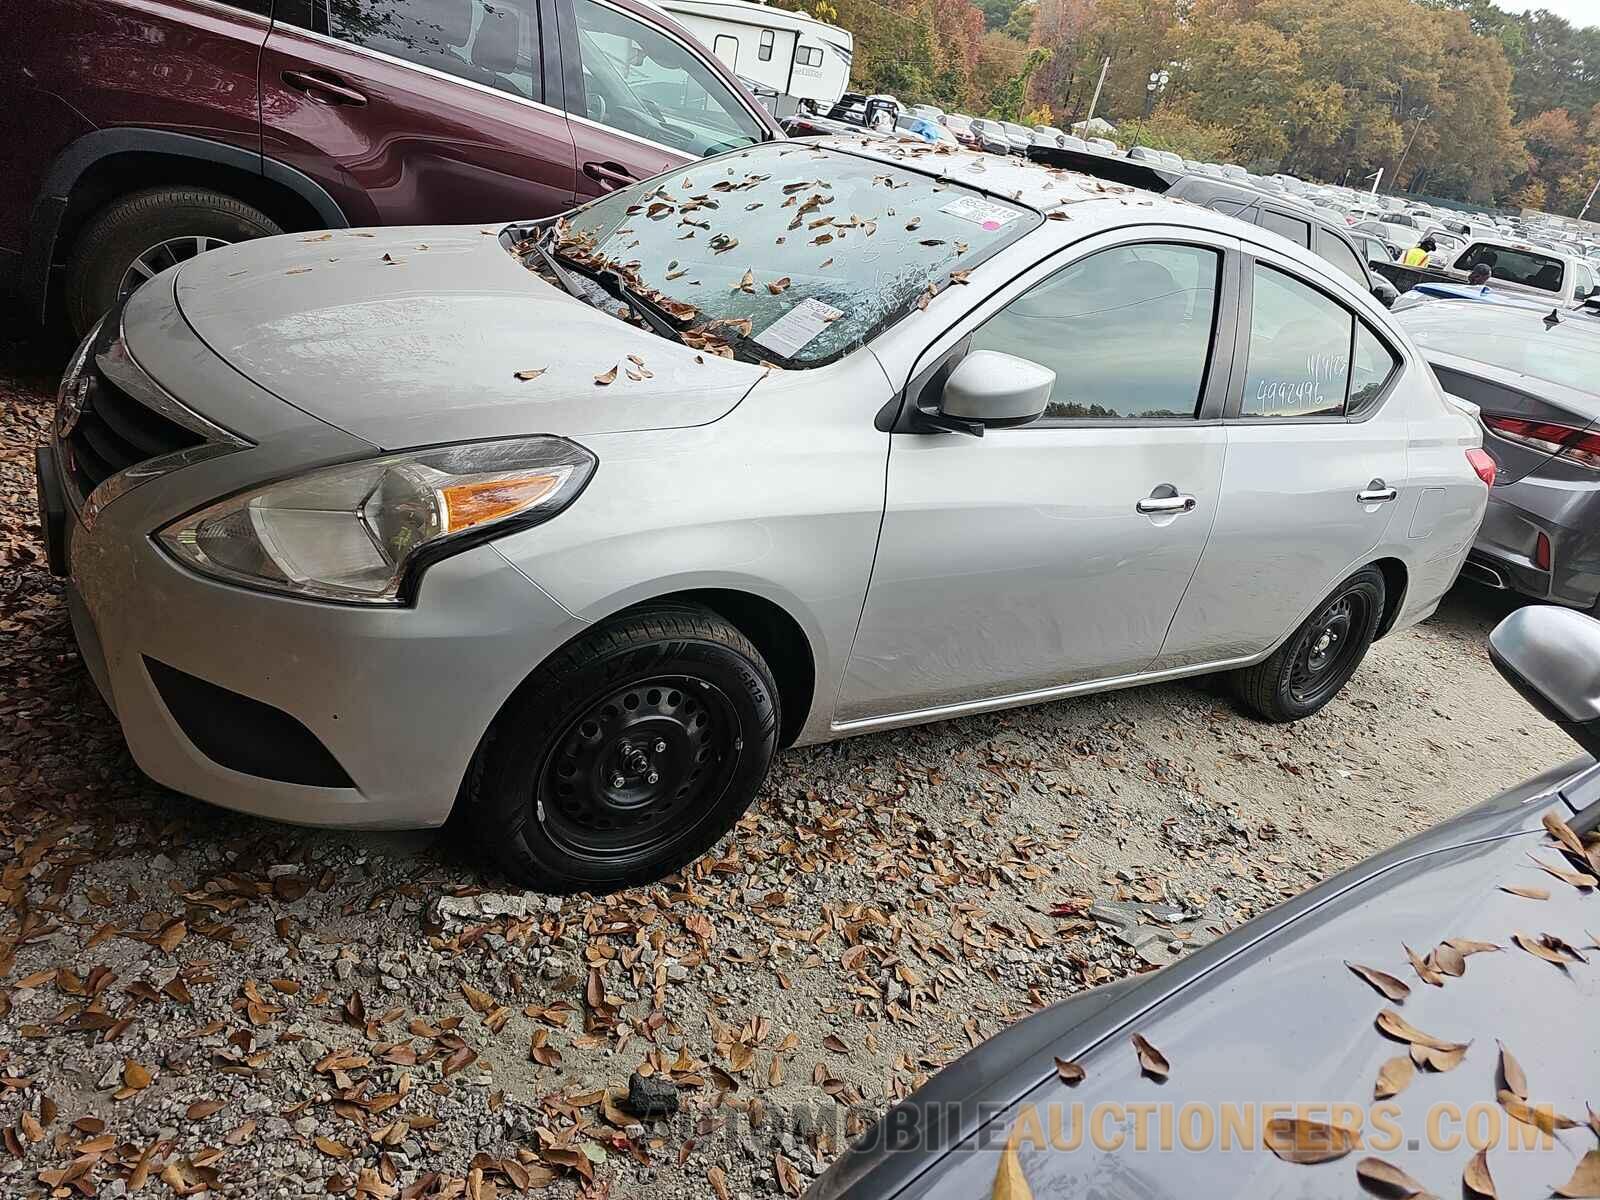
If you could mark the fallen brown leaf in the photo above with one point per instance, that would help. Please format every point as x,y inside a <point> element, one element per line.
<point>1527,893</point>
<point>1585,1181</point>
<point>607,377</point>
<point>1009,1181</point>
<point>1540,1116</point>
<point>1393,1077</point>
<point>1299,1141</point>
<point>1069,1072</point>
<point>201,1109</point>
<point>1511,1074</point>
<point>1476,1178</point>
<point>1424,972</point>
<point>1396,1026</point>
<point>1386,1179</point>
<point>1151,1061</point>
<point>1438,1060</point>
<point>1395,989</point>
<point>531,374</point>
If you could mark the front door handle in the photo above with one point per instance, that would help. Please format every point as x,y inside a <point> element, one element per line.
<point>1167,504</point>
<point>323,91</point>
<point>1376,492</point>
<point>608,173</point>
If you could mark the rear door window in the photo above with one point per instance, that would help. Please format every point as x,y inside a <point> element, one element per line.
<point>1299,364</point>
<point>1371,366</point>
<point>1526,267</point>
<point>495,45</point>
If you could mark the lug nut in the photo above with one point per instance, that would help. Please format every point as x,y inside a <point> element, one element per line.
<point>618,781</point>
<point>660,747</point>
<point>653,777</point>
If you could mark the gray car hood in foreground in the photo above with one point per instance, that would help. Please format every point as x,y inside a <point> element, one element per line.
<point>407,337</point>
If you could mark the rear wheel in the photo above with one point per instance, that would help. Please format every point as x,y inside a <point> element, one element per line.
<point>628,754</point>
<point>1308,670</point>
<point>142,234</point>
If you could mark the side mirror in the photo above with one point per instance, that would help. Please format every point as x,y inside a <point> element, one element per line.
<point>1384,291</point>
<point>990,388</point>
<point>1551,655</point>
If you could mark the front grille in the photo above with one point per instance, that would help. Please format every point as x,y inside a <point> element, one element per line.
<point>114,430</point>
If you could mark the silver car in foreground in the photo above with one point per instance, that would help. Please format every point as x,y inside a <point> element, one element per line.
<point>574,524</point>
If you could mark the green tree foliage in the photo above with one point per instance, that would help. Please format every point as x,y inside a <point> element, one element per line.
<point>1456,98</point>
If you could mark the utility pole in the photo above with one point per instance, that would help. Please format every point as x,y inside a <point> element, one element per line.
<point>1100,84</point>
<point>1426,113</point>
<point>1590,200</point>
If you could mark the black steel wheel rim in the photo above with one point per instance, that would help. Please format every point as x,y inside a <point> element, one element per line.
<point>1328,650</point>
<point>638,768</point>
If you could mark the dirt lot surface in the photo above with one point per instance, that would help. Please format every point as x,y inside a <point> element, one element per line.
<point>193,999</point>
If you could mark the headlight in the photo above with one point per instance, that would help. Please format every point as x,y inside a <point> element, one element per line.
<point>358,532</point>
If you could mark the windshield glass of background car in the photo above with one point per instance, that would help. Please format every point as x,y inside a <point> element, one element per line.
<point>1572,361</point>
<point>638,80</point>
<point>795,252</point>
<point>1514,266</point>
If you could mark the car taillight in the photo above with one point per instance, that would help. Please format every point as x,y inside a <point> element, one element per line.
<point>1483,464</point>
<point>1573,444</point>
<point>1541,551</point>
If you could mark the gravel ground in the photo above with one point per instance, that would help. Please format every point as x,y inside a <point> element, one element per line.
<point>194,1000</point>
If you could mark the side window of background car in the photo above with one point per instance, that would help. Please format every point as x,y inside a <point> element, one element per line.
<point>1299,363</point>
<point>496,44</point>
<point>1127,331</point>
<point>638,80</point>
<point>1340,255</point>
<point>1583,281</point>
<point>1297,231</point>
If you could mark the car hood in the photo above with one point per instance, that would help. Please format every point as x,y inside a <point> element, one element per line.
<point>1271,1016</point>
<point>407,337</point>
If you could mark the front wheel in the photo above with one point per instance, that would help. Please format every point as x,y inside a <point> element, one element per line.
<point>628,754</point>
<point>1308,670</point>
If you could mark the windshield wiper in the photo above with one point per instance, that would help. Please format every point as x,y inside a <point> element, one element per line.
<point>610,282</point>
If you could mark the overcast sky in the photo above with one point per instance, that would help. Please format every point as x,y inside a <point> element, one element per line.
<point>1579,12</point>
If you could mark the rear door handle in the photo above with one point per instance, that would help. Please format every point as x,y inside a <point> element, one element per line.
<point>1376,492</point>
<point>1167,504</point>
<point>609,173</point>
<point>323,91</point>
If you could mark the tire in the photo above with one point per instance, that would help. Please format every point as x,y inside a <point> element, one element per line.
<point>674,705</point>
<point>1305,672</point>
<point>129,226</point>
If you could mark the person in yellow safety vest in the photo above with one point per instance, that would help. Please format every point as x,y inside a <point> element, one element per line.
<point>1417,256</point>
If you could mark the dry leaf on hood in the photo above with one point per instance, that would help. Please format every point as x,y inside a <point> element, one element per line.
<point>1447,960</point>
<point>1563,833</point>
<point>606,377</point>
<point>1511,1074</point>
<point>1527,893</point>
<point>1438,1060</point>
<point>1386,1179</point>
<point>778,286</point>
<point>747,283</point>
<point>1539,947</point>
<point>1396,1026</point>
<point>1069,1072</point>
<point>1467,947</point>
<point>1308,1141</point>
<point>1009,1181</point>
<point>533,374</point>
<point>1585,1181</point>
<point>1151,1061</point>
<point>1395,989</point>
<point>1540,1116</point>
<point>1393,1077</point>
<point>1476,1178</point>
<point>1424,972</point>
<point>1578,879</point>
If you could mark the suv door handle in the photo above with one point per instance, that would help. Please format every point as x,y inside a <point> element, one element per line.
<point>1167,504</point>
<point>609,173</point>
<point>1376,492</point>
<point>323,91</point>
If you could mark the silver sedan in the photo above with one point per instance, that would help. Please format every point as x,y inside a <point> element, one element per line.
<point>575,524</point>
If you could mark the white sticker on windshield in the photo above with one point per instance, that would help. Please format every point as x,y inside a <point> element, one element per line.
<point>790,333</point>
<point>981,212</point>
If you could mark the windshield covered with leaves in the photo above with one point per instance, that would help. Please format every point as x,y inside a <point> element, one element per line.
<point>786,253</point>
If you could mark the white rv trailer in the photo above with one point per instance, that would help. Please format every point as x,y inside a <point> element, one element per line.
<point>796,56</point>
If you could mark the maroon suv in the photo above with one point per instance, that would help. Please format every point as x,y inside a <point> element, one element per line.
<point>137,133</point>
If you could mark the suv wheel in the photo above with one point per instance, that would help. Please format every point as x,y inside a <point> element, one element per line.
<point>144,233</point>
<point>1308,670</point>
<point>627,755</point>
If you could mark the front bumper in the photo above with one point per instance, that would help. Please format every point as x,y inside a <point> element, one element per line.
<point>1567,512</point>
<point>397,699</point>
